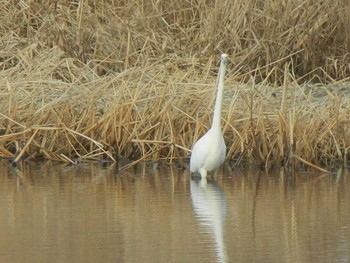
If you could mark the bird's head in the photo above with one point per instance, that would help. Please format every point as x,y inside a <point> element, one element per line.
<point>224,58</point>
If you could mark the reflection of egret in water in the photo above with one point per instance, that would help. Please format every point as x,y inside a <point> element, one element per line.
<point>209,203</point>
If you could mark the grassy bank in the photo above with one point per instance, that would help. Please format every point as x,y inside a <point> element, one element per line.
<point>94,80</point>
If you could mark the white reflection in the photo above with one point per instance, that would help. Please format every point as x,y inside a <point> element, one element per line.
<point>209,203</point>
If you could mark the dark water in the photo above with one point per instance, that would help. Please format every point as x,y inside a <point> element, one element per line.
<point>87,213</point>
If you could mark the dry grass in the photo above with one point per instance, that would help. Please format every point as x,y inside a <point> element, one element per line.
<point>96,80</point>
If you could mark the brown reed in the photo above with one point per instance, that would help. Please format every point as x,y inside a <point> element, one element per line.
<point>107,80</point>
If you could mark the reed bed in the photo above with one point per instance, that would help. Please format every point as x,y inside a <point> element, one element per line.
<point>111,80</point>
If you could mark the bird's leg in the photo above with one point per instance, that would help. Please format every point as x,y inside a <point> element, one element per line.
<point>203,172</point>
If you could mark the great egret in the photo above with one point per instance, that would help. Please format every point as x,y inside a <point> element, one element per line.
<point>209,151</point>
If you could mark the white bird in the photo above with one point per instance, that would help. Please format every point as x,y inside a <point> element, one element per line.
<point>209,151</point>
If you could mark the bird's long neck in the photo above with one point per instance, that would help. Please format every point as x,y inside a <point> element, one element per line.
<point>217,110</point>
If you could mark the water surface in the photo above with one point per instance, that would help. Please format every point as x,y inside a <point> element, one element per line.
<point>90,213</point>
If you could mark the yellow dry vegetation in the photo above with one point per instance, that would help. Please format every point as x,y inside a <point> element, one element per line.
<point>108,80</point>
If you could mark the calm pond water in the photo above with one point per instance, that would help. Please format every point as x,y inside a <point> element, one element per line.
<point>90,213</point>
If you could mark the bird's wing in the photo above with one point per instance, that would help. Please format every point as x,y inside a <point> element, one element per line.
<point>199,153</point>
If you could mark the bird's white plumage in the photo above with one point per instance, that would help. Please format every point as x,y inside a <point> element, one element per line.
<point>209,151</point>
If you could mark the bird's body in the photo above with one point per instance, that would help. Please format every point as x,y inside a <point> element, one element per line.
<point>209,151</point>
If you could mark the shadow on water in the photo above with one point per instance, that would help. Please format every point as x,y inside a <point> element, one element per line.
<point>209,204</point>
